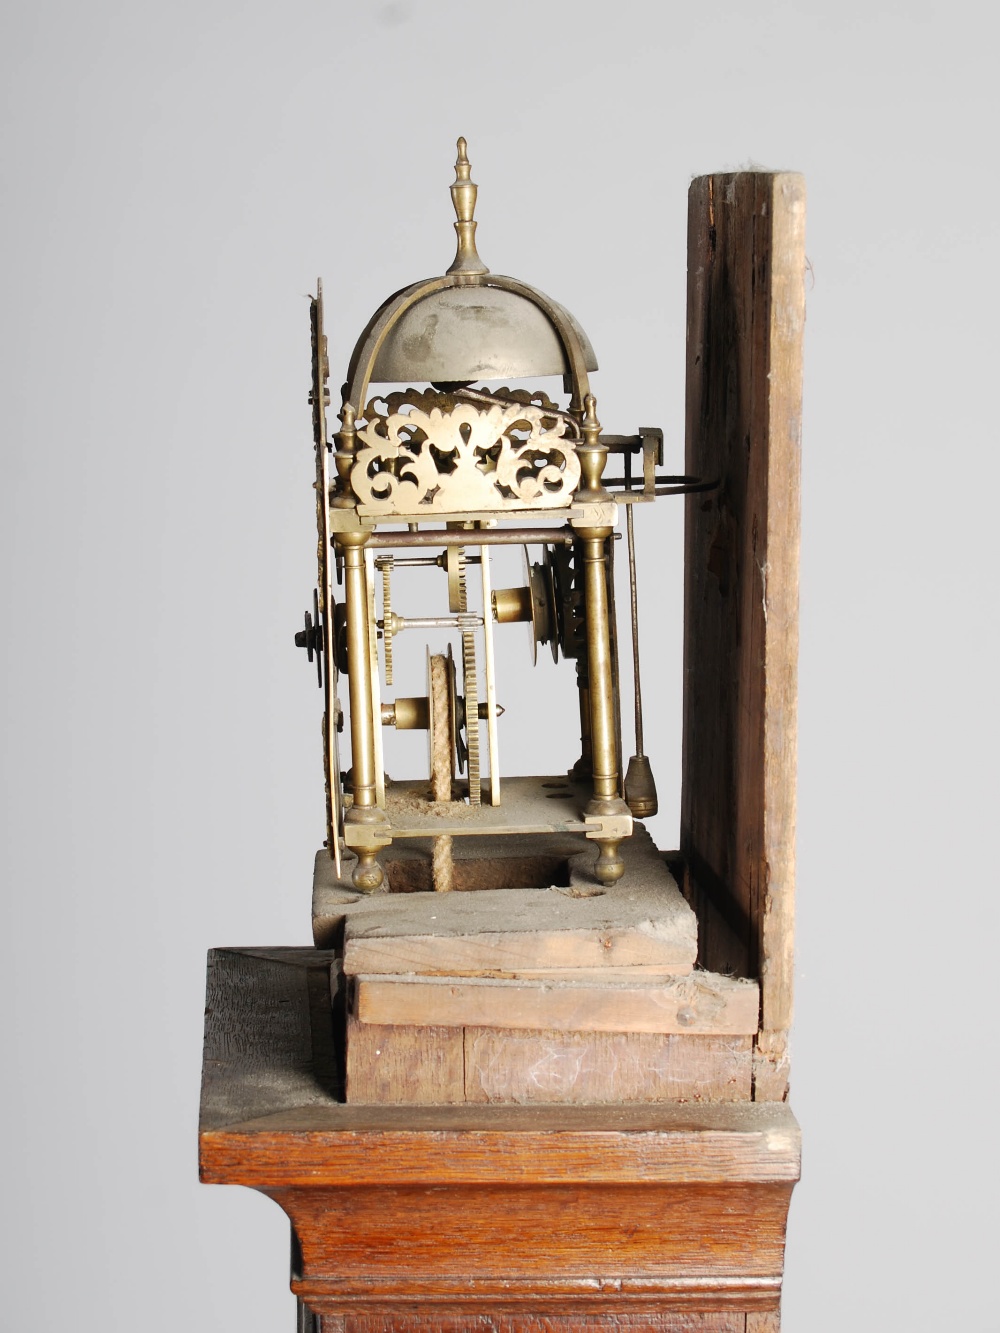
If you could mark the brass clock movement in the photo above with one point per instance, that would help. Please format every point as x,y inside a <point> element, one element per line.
<point>446,449</point>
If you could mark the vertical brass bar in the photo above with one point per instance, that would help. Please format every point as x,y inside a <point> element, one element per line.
<point>365,811</point>
<point>376,692</point>
<point>359,662</point>
<point>602,728</point>
<point>490,673</point>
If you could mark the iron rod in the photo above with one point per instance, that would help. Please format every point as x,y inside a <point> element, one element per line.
<point>635,630</point>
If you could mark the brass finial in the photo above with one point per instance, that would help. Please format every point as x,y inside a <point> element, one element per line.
<point>463,195</point>
<point>591,452</point>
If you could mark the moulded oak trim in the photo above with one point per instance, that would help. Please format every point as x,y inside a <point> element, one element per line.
<point>585,1299</point>
<point>722,1142</point>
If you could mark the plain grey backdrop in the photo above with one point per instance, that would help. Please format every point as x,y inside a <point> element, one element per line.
<point>175,177</point>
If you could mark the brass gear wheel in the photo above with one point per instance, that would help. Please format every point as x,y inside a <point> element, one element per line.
<point>470,687</point>
<point>386,613</point>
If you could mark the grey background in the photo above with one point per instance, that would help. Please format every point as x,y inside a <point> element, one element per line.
<point>176,176</point>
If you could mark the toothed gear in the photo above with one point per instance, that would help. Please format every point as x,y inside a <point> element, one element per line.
<point>569,602</point>
<point>386,613</point>
<point>470,686</point>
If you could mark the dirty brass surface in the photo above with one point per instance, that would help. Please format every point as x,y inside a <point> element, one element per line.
<point>450,463</point>
<point>430,454</point>
<point>476,333</point>
<point>530,805</point>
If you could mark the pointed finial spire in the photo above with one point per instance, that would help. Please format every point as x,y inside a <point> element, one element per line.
<point>463,195</point>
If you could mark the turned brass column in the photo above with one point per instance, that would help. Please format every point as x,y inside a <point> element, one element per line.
<point>604,748</point>
<point>606,800</point>
<point>364,811</point>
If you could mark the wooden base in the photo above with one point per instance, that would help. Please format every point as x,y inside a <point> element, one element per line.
<point>756,1322</point>
<point>666,1217</point>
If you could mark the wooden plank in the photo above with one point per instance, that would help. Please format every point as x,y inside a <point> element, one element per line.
<point>520,953</point>
<point>776,908</point>
<point>700,1003</point>
<point>745,320</point>
<point>560,1067</point>
<point>770,1066</point>
<point>764,1321</point>
<point>389,1066</point>
<point>642,920</point>
<point>722,930</point>
<point>350,1146</point>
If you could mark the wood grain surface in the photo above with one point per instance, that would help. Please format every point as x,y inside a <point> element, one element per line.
<point>649,1322</point>
<point>627,1247</point>
<point>702,1002</point>
<point>746,309</point>
<point>560,1067</point>
<point>423,1066</point>
<point>642,920</point>
<point>523,1213</point>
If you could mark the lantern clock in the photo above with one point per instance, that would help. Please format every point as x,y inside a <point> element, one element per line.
<point>532,1072</point>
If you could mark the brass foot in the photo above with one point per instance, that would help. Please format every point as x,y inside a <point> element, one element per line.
<point>609,867</point>
<point>368,874</point>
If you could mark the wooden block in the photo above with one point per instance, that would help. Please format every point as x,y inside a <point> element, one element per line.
<point>562,1067</point>
<point>700,1003</point>
<point>514,953</point>
<point>643,920</point>
<point>391,1066</point>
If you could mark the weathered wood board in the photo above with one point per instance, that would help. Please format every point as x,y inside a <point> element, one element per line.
<point>412,1066</point>
<point>563,1067</point>
<point>702,1002</point>
<point>643,920</point>
<point>388,1065</point>
<point>268,1010</point>
<point>746,310</point>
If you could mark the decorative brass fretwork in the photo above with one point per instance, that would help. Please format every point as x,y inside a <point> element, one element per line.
<point>427,453</point>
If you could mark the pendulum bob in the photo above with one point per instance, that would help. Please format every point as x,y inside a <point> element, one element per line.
<point>640,789</point>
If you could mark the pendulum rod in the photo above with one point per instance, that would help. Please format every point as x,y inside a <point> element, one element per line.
<point>635,630</point>
<point>640,787</point>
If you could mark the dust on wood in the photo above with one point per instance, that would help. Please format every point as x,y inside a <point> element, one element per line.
<point>418,1066</point>
<point>561,1067</point>
<point>699,1003</point>
<point>642,920</point>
